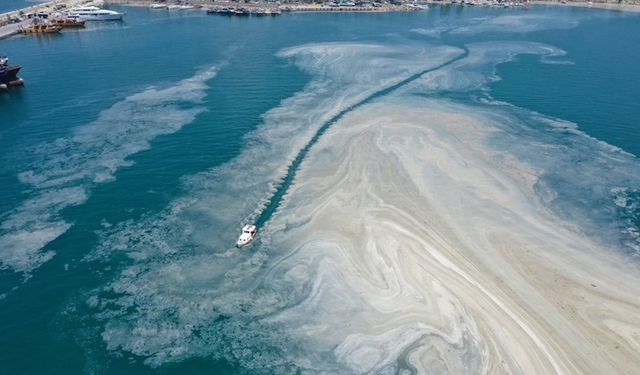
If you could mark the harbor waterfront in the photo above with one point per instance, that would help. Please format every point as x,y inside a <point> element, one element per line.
<point>448,191</point>
<point>28,14</point>
<point>7,29</point>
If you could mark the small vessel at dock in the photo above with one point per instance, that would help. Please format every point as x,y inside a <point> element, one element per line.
<point>69,21</point>
<point>91,13</point>
<point>8,74</point>
<point>248,234</point>
<point>40,28</point>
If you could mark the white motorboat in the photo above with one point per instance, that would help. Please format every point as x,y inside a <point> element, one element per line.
<point>158,6</point>
<point>91,13</point>
<point>247,235</point>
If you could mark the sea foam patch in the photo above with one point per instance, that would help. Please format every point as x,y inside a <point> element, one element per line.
<point>64,171</point>
<point>413,240</point>
<point>477,69</point>
<point>430,221</point>
<point>196,233</point>
<point>434,33</point>
<point>578,172</point>
<point>525,23</point>
<point>345,74</point>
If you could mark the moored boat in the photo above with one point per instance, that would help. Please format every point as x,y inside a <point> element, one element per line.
<point>92,13</point>
<point>40,28</point>
<point>158,6</point>
<point>8,74</point>
<point>248,234</point>
<point>69,21</point>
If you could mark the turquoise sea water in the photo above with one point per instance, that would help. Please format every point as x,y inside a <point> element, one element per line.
<point>9,5</point>
<point>139,147</point>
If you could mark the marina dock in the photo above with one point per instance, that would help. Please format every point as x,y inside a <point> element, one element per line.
<point>7,30</point>
<point>284,6</point>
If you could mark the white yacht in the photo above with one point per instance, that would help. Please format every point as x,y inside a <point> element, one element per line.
<point>91,13</point>
<point>248,234</point>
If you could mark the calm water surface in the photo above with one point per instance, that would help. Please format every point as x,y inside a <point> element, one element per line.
<point>9,5</point>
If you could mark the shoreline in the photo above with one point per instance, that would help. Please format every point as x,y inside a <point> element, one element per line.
<point>611,6</point>
<point>305,7</point>
<point>50,5</point>
<point>288,7</point>
<point>7,30</point>
<point>624,7</point>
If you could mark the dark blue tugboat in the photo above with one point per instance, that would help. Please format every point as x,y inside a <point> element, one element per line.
<point>9,74</point>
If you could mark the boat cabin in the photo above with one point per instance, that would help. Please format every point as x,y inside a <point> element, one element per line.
<point>248,234</point>
<point>249,229</point>
<point>41,28</point>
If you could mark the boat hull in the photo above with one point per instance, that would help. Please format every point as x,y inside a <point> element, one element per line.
<point>103,18</point>
<point>37,30</point>
<point>10,75</point>
<point>241,244</point>
<point>68,23</point>
<point>97,16</point>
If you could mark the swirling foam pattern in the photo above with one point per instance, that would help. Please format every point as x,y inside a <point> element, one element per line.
<point>434,247</point>
<point>410,241</point>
